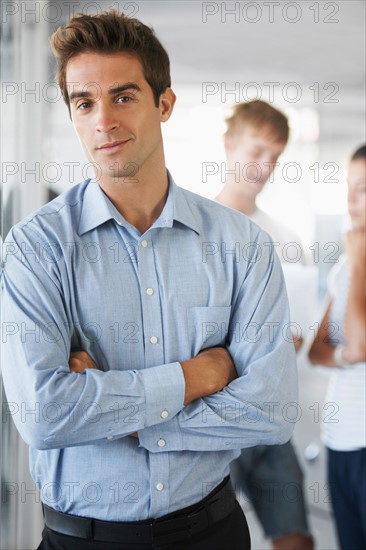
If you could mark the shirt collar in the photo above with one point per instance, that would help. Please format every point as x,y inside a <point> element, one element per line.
<point>177,208</point>
<point>97,209</point>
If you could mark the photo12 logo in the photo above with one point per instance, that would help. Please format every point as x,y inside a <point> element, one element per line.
<point>269,12</point>
<point>291,92</point>
<point>35,11</point>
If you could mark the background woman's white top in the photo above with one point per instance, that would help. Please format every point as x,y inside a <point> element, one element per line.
<point>344,418</point>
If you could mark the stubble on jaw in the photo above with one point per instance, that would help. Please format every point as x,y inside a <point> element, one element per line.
<point>118,172</point>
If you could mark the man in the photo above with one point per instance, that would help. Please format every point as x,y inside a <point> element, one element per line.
<point>256,135</point>
<point>131,279</point>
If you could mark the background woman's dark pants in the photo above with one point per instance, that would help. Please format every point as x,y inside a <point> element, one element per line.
<point>347,482</point>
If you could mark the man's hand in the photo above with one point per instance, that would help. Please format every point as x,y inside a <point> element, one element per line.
<point>208,373</point>
<point>81,360</point>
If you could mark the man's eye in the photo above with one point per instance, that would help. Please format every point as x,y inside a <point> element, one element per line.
<point>83,105</point>
<point>124,99</point>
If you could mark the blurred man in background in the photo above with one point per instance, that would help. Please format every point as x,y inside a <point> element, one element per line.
<point>256,136</point>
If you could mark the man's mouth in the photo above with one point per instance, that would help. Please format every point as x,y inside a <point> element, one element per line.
<point>111,147</point>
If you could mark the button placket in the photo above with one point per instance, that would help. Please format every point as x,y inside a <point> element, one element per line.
<point>150,299</point>
<point>159,472</point>
<point>154,355</point>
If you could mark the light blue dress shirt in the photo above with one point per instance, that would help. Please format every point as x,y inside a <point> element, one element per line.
<point>77,276</point>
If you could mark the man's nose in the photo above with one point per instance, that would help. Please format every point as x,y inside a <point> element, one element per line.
<point>106,119</point>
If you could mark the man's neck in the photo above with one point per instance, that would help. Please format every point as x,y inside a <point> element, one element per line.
<point>140,199</point>
<point>236,199</point>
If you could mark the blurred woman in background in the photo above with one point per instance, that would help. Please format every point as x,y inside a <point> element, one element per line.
<point>341,344</point>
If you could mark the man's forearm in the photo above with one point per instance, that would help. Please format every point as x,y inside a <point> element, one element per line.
<point>208,373</point>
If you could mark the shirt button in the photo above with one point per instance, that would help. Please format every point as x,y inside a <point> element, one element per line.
<point>164,414</point>
<point>149,291</point>
<point>153,340</point>
<point>159,486</point>
<point>161,443</point>
<point>144,243</point>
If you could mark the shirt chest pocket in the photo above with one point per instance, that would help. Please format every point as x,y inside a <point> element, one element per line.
<point>208,327</point>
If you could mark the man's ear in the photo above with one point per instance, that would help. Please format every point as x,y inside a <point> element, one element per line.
<point>166,104</point>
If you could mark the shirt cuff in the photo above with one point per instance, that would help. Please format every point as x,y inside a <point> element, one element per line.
<point>164,392</point>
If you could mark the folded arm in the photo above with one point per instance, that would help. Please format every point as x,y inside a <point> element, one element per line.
<point>260,405</point>
<point>59,400</point>
<point>51,405</point>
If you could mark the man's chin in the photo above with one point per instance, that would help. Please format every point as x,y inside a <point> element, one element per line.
<point>120,173</point>
<point>257,184</point>
<point>253,188</point>
<point>122,177</point>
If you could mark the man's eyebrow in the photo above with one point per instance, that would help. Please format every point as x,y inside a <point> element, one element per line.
<point>111,91</point>
<point>124,88</point>
<point>76,95</point>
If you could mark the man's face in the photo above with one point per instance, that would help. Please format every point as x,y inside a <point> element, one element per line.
<point>114,115</point>
<point>357,193</point>
<point>254,155</point>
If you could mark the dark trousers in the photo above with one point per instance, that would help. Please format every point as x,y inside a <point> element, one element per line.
<point>230,534</point>
<point>347,482</point>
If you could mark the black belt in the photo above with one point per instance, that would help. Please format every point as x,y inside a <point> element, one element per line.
<point>179,525</point>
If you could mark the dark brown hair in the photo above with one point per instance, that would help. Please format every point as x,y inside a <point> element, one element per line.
<point>111,32</point>
<point>258,115</point>
<point>360,153</point>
